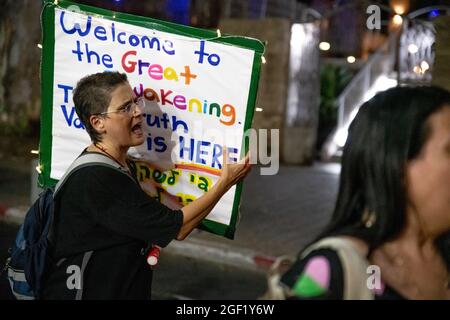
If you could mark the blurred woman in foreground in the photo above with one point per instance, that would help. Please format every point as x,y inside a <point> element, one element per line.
<point>388,237</point>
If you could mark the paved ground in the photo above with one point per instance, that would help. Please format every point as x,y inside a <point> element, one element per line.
<point>279,215</point>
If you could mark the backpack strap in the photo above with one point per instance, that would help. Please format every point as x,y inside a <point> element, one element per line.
<point>89,159</point>
<point>354,265</point>
<point>84,160</point>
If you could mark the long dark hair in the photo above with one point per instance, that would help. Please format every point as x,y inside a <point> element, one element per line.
<point>389,130</point>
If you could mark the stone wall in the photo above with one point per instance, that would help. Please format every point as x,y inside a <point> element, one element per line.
<point>273,84</point>
<point>20,32</point>
<point>302,112</point>
<point>289,86</point>
<point>441,69</point>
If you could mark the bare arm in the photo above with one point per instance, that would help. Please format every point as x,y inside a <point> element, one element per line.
<point>197,210</point>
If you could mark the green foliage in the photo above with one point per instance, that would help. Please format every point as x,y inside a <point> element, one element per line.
<point>333,79</point>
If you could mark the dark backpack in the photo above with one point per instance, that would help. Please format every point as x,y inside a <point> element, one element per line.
<point>29,254</point>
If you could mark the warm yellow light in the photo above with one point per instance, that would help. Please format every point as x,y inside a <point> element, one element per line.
<point>417,70</point>
<point>424,66</point>
<point>39,46</point>
<point>412,48</point>
<point>324,46</point>
<point>397,19</point>
<point>399,9</point>
<point>351,59</point>
<point>263,60</point>
<point>218,33</point>
<point>259,109</point>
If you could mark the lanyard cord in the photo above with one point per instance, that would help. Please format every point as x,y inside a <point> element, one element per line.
<point>109,155</point>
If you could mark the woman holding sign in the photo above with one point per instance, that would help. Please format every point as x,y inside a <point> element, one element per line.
<point>103,219</point>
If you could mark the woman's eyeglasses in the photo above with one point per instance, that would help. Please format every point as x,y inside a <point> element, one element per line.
<point>129,108</point>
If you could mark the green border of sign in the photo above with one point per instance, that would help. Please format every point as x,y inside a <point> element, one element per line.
<point>47,77</point>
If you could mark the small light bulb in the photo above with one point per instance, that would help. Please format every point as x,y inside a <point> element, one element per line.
<point>351,59</point>
<point>218,33</point>
<point>263,60</point>
<point>398,20</point>
<point>324,46</point>
<point>417,70</point>
<point>399,8</point>
<point>413,48</point>
<point>424,66</point>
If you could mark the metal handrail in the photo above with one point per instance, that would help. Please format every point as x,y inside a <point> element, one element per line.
<point>365,77</point>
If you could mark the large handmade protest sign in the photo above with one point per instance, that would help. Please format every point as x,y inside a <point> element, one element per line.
<point>199,89</point>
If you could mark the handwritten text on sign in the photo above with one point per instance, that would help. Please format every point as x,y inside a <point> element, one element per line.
<point>196,94</point>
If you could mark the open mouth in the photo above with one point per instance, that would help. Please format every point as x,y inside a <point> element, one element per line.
<point>137,129</point>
